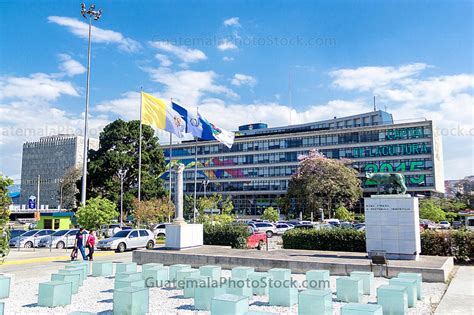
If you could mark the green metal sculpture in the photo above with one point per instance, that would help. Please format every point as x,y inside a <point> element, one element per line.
<point>392,183</point>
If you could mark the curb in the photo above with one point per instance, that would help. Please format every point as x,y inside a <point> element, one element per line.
<point>47,259</point>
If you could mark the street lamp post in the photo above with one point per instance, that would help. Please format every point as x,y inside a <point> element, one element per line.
<point>121,174</point>
<point>96,16</point>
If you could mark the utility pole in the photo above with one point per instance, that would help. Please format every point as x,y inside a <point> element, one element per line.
<point>121,174</point>
<point>96,16</point>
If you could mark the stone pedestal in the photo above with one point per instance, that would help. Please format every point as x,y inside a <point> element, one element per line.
<point>181,236</point>
<point>392,225</point>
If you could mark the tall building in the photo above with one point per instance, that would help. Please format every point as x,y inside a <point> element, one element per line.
<point>50,158</point>
<point>258,167</point>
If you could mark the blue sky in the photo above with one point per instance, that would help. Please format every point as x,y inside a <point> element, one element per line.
<point>234,59</point>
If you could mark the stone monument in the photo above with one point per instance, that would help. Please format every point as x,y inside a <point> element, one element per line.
<point>392,223</point>
<point>179,234</point>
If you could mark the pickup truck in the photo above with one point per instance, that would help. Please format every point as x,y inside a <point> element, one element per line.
<point>256,240</point>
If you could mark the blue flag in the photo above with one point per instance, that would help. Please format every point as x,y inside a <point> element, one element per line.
<point>193,124</point>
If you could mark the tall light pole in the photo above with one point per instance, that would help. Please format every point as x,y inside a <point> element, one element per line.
<point>96,16</point>
<point>121,174</point>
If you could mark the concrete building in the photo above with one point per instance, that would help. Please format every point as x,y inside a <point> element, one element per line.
<point>50,158</point>
<point>258,167</point>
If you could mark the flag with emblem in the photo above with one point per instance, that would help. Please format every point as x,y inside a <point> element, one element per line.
<point>158,114</point>
<point>193,124</point>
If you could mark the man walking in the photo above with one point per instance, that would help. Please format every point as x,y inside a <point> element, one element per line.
<point>80,243</point>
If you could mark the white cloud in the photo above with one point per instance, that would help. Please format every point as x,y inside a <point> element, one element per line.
<point>368,78</point>
<point>233,21</point>
<point>164,60</point>
<point>225,44</point>
<point>188,86</point>
<point>127,106</point>
<point>70,66</point>
<point>182,52</point>
<point>99,35</point>
<point>243,79</point>
<point>226,58</point>
<point>36,86</point>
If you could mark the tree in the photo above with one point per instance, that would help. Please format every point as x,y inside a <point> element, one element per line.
<point>324,183</point>
<point>5,202</point>
<point>270,214</point>
<point>67,188</point>
<point>430,211</point>
<point>153,211</point>
<point>215,202</point>
<point>119,150</point>
<point>98,211</point>
<point>343,214</point>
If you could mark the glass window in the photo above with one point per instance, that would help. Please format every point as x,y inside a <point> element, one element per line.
<point>134,234</point>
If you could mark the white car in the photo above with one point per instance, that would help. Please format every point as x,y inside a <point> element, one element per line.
<point>444,225</point>
<point>30,238</point>
<point>263,227</point>
<point>109,230</point>
<point>128,239</point>
<point>281,228</point>
<point>160,230</point>
<point>60,239</point>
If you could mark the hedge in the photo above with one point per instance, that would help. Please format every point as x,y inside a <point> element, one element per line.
<point>325,239</point>
<point>456,243</point>
<point>234,236</point>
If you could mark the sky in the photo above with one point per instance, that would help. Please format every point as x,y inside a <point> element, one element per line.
<point>239,62</point>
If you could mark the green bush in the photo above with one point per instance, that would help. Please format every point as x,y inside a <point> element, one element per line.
<point>325,239</point>
<point>456,243</point>
<point>234,236</point>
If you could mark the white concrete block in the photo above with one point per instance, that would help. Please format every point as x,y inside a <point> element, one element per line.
<point>180,236</point>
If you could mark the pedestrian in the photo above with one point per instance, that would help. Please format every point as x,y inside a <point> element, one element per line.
<point>80,243</point>
<point>90,245</point>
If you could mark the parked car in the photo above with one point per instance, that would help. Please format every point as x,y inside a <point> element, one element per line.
<point>160,230</point>
<point>427,224</point>
<point>304,226</point>
<point>256,240</point>
<point>14,233</point>
<point>346,225</point>
<point>358,226</point>
<point>29,239</point>
<point>128,239</point>
<point>444,225</point>
<point>60,239</point>
<point>457,225</point>
<point>110,229</point>
<point>333,222</point>
<point>264,227</point>
<point>281,228</point>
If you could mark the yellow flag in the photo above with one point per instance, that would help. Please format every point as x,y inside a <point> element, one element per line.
<point>153,111</point>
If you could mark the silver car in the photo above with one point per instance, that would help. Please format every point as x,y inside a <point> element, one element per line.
<point>30,238</point>
<point>128,239</point>
<point>264,227</point>
<point>59,239</point>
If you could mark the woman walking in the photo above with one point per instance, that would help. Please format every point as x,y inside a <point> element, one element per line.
<point>90,245</point>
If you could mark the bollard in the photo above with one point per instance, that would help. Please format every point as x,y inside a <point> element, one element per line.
<point>50,242</point>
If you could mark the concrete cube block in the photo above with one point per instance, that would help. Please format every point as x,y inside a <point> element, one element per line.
<point>82,268</point>
<point>81,313</point>
<point>192,282</point>
<point>128,274</point>
<point>72,271</point>
<point>368,283</point>
<point>239,286</point>
<point>74,278</point>
<point>280,274</point>
<point>83,263</point>
<point>315,302</point>
<point>131,300</point>
<point>214,272</point>
<point>260,282</point>
<point>5,283</point>
<point>102,268</point>
<point>155,276</point>
<point>260,313</point>
<point>151,265</point>
<point>361,309</point>
<point>229,304</point>
<point>182,274</point>
<point>2,308</point>
<point>125,267</point>
<point>318,279</point>
<point>349,289</point>
<point>128,282</point>
<point>54,293</point>
<point>411,285</point>
<point>393,298</point>
<point>419,281</point>
<point>175,268</point>
<point>282,296</point>
<point>203,296</point>
<point>241,272</point>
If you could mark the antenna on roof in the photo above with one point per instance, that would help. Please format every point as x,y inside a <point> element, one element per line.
<point>375,108</point>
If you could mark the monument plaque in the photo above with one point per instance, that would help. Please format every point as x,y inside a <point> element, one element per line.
<point>392,225</point>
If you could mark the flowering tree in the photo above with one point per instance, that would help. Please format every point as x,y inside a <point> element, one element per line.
<point>322,183</point>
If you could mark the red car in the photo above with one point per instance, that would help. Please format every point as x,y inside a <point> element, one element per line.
<point>256,240</point>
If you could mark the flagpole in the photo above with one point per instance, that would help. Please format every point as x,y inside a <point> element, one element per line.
<point>140,149</point>
<point>195,179</point>
<point>170,168</point>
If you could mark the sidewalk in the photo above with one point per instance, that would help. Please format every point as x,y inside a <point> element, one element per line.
<point>459,298</point>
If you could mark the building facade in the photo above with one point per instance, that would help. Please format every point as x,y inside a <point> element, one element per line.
<point>258,167</point>
<point>50,158</point>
